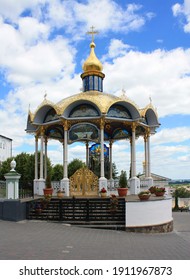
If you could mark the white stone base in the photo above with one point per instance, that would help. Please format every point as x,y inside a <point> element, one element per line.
<point>12,184</point>
<point>134,185</point>
<point>39,185</point>
<point>110,184</point>
<point>149,181</point>
<point>103,183</point>
<point>65,186</point>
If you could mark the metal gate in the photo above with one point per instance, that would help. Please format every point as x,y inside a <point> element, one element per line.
<point>83,183</point>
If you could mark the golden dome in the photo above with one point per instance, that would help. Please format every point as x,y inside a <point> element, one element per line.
<point>92,63</point>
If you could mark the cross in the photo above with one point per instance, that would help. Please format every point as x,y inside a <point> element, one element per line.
<point>45,95</point>
<point>92,32</point>
<point>150,98</point>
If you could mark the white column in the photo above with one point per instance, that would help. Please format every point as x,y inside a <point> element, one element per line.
<point>35,183</point>
<point>134,181</point>
<point>111,180</point>
<point>65,155</point>
<point>42,157</point>
<point>45,159</point>
<point>102,180</point>
<point>146,156</point>
<point>148,148</point>
<point>41,181</point>
<point>148,178</point>
<point>65,180</point>
<point>110,160</point>
<point>102,173</point>
<point>36,157</point>
<point>133,155</point>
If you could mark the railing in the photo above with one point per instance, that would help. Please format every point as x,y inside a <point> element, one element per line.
<point>94,211</point>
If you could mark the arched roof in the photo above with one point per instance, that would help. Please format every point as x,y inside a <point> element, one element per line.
<point>42,111</point>
<point>101,101</point>
<point>150,115</point>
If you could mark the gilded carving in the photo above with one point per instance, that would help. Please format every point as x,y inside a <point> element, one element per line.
<point>84,183</point>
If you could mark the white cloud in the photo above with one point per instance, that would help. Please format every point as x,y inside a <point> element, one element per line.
<point>106,15</point>
<point>182,11</point>
<point>174,135</point>
<point>163,75</point>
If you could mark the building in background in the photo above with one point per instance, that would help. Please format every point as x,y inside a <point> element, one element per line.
<point>5,148</point>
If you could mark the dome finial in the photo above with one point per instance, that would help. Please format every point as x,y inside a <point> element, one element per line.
<point>92,32</point>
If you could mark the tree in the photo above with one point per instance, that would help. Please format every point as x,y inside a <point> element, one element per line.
<point>57,172</point>
<point>25,165</point>
<point>123,179</point>
<point>74,165</point>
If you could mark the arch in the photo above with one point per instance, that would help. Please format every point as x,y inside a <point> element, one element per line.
<point>151,117</point>
<point>82,109</point>
<point>30,127</point>
<point>123,109</point>
<point>42,113</point>
<point>55,132</point>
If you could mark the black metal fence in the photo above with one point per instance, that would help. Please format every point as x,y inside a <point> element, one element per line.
<point>94,211</point>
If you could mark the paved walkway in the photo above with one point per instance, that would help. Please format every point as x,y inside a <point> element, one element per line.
<point>46,240</point>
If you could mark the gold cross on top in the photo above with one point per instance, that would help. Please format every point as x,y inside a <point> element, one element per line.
<point>92,32</point>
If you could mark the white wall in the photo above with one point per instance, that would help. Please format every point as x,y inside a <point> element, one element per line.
<point>5,148</point>
<point>147,213</point>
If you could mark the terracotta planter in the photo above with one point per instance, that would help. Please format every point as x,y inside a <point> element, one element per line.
<point>60,194</point>
<point>144,197</point>
<point>159,193</point>
<point>122,191</point>
<point>103,194</point>
<point>48,191</point>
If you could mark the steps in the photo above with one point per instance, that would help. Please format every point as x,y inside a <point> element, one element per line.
<point>88,212</point>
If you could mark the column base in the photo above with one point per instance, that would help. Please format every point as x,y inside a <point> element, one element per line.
<point>39,185</point>
<point>149,181</point>
<point>134,184</point>
<point>103,183</point>
<point>111,184</point>
<point>65,186</point>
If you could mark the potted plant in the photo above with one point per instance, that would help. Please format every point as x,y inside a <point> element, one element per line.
<point>123,187</point>
<point>60,193</point>
<point>48,191</point>
<point>144,195</point>
<point>152,189</point>
<point>159,191</point>
<point>103,192</point>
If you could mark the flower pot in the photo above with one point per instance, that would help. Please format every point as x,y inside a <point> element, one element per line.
<point>103,194</point>
<point>144,197</point>
<point>122,191</point>
<point>48,191</point>
<point>159,193</point>
<point>60,194</point>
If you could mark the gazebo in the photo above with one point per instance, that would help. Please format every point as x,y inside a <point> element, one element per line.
<point>92,116</point>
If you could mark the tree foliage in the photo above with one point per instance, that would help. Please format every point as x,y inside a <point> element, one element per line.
<point>74,165</point>
<point>123,179</point>
<point>25,165</point>
<point>57,172</point>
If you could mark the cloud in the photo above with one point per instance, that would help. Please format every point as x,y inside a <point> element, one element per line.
<point>163,75</point>
<point>105,15</point>
<point>174,135</point>
<point>182,12</point>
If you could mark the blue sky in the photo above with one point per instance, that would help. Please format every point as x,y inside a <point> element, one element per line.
<point>145,50</point>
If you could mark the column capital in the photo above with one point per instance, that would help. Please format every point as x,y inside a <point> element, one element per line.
<point>66,125</point>
<point>102,123</point>
<point>148,132</point>
<point>133,126</point>
<point>42,130</point>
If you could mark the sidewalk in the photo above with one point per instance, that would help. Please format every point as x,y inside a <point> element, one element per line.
<point>45,240</point>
